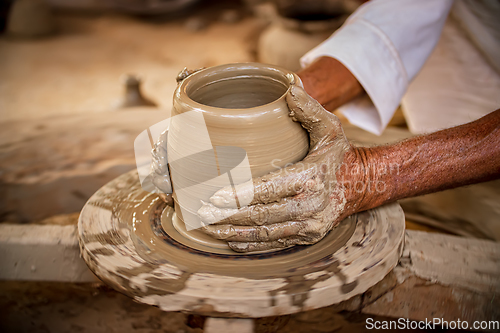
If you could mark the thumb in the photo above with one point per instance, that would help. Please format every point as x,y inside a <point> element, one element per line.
<point>320,123</point>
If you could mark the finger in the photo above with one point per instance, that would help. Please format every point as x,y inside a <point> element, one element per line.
<point>263,233</point>
<point>280,184</point>
<point>312,116</point>
<point>288,209</point>
<point>263,246</point>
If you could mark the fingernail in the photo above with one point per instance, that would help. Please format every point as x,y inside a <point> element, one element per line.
<point>225,198</point>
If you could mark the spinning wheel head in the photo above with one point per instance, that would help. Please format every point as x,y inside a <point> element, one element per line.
<point>126,241</point>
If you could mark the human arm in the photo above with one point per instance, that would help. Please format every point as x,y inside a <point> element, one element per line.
<point>446,159</point>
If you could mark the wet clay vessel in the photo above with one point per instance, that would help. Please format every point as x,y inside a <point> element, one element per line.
<point>229,123</point>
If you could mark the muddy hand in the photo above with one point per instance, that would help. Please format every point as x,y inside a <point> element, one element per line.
<point>295,205</point>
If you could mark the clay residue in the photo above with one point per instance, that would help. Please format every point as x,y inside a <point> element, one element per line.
<point>424,255</point>
<point>299,286</point>
<point>148,280</point>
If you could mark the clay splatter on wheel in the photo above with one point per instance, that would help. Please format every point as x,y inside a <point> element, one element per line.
<point>125,242</point>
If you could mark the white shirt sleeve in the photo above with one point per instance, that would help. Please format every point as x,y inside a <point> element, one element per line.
<point>384,44</point>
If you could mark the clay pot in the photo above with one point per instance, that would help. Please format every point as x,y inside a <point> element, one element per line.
<point>241,111</point>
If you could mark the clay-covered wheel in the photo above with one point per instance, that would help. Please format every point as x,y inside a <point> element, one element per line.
<point>124,244</point>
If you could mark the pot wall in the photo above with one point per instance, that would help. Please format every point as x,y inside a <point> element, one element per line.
<point>250,140</point>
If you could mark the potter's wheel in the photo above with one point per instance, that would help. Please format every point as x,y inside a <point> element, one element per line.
<point>128,241</point>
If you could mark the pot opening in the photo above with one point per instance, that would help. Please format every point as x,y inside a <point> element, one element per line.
<point>239,92</point>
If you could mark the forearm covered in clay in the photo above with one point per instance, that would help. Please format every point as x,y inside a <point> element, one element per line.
<point>442,160</point>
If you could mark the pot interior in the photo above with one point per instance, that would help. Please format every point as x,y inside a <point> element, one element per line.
<point>239,91</point>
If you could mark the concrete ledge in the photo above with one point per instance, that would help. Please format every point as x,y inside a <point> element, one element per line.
<point>42,253</point>
<point>428,282</point>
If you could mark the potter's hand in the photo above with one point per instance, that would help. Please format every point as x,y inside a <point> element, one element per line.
<point>295,205</point>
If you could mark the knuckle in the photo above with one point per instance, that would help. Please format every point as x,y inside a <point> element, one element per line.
<point>297,187</point>
<point>263,233</point>
<point>294,209</point>
<point>259,215</point>
<point>313,205</point>
<point>266,191</point>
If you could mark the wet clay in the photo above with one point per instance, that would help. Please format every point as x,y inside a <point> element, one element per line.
<point>229,124</point>
<point>124,244</point>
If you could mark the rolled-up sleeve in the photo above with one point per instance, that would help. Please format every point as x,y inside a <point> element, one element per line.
<point>384,44</point>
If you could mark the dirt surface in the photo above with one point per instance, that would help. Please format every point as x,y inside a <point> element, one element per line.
<point>94,308</point>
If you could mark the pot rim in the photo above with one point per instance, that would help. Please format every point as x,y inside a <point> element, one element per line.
<point>287,76</point>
